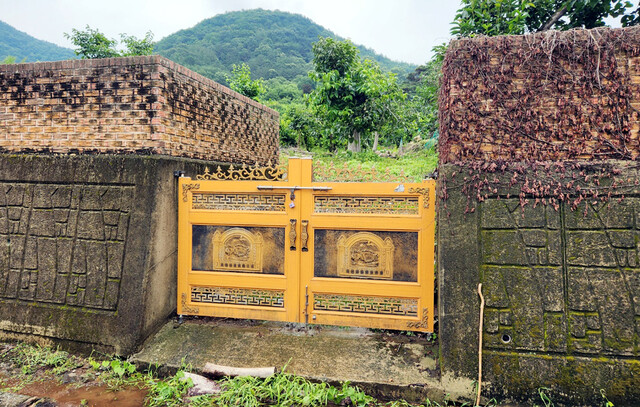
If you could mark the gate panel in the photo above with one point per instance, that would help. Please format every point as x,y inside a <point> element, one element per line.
<point>370,256</point>
<point>237,254</point>
<point>358,254</point>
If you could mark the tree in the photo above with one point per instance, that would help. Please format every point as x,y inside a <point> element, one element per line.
<point>240,81</point>
<point>135,46</point>
<point>10,59</point>
<point>420,113</point>
<point>300,127</point>
<point>497,17</point>
<point>91,44</point>
<point>353,98</point>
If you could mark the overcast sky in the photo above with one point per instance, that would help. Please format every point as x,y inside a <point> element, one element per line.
<point>403,30</point>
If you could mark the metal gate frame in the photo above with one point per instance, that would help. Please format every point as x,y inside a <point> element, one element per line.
<point>289,199</point>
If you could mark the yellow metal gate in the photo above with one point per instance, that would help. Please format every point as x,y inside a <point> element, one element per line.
<point>271,243</point>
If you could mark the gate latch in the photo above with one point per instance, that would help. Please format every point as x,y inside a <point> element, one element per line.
<point>292,189</point>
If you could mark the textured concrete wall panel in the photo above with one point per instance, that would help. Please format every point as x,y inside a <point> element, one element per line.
<point>88,246</point>
<point>561,288</point>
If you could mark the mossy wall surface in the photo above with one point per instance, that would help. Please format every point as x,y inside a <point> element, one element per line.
<point>561,289</point>
<point>88,247</point>
<point>539,200</point>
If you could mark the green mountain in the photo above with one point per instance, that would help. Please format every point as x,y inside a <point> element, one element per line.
<point>276,45</point>
<point>24,47</point>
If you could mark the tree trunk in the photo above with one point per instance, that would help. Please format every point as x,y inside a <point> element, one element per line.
<point>376,136</point>
<point>554,18</point>
<point>355,146</point>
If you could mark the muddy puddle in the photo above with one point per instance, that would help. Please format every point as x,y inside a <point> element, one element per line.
<point>74,394</point>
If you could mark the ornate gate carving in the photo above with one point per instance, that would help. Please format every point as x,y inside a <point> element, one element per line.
<point>272,243</point>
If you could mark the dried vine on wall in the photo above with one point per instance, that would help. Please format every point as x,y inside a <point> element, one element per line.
<point>547,96</point>
<point>534,116</point>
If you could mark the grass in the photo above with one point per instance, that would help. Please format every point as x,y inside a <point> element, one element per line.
<point>32,358</point>
<point>169,392</point>
<point>367,166</point>
<point>281,389</point>
<point>285,389</point>
<point>117,373</point>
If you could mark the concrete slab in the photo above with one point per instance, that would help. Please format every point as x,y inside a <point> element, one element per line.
<point>385,364</point>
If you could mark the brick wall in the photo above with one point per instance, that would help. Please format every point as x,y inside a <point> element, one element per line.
<point>547,96</point>
<point>131,105</point>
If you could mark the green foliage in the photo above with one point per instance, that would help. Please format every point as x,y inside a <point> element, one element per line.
<point>91,44</point>
<point>605,400</point>
<point>117,373</point>
<point>497,17</point>
<point>334,55</point>
<point>169,392</point>
<point>31,358</point>
<point>580,13</point>
<point>135,46</point>
<point>491,17</point>
<point>633,18</point>
<point>546,400</point>
<point>415,165</point>
<point>300,127</point>
<point>26,48</point>
<point>275,44</point>
<point>418,116</point>
<point>353,98</point>
<point>240,81</point>
<point>10,59</point>
<point>285,389</point>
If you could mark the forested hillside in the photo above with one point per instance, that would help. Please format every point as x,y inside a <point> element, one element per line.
<point>22,46</point>
<point>276,45</point>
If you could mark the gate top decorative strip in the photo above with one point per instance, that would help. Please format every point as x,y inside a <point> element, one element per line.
<point>246,173</point>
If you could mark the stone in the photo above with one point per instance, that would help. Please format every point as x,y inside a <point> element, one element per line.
<point>201,385</point>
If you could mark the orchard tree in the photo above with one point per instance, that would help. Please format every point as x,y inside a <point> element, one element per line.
<point>240,81</point>
<point>91,44</point>
<point>353,98</point>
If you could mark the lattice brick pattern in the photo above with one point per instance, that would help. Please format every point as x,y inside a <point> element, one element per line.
<point>365,304</point>
<point>238,296</point>
<point>406,205</point>
<point>240,202</point>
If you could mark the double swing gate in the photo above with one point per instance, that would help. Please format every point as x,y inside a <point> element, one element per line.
<point>273,244</point>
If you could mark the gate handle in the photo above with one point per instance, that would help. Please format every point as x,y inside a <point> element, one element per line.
<point>304,235</point>
<point>292,234</point>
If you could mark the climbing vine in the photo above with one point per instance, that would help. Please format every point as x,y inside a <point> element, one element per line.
<point>542,183</point>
